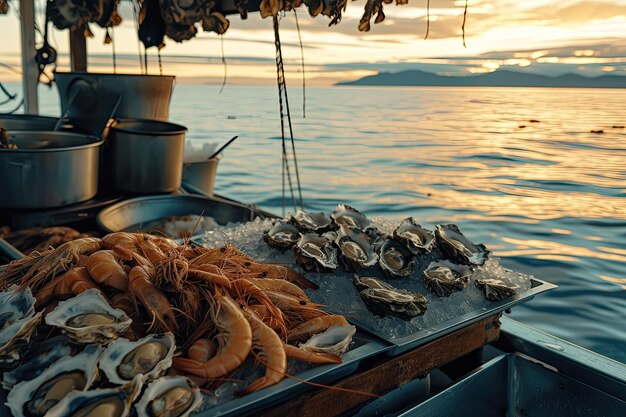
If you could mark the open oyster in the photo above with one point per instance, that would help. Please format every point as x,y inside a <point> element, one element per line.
<point>355,251</point>
<point>88,318</point>
<point>335,340</point>
<point>150,357</point>
<point>18,321</point>
<point>169,396</point>
<point>15,304</point>
<point>495,289</point>
<point>35,397</point>
<point>459,248</point>
<point>444,277</point>
<point>414,236</point>
<point>311,222</point>
<point>396,260</point>
<point>394,302</point>
<point>40,356</point>
<point>109,402</point>
<point>363,283</point>
<point>345,215</point>
<point>315,253</point>
<point>282,235</point>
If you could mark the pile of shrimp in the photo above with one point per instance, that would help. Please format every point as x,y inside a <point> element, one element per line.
<point>222,306</point>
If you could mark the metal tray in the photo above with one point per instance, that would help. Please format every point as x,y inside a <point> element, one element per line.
<point>322,374</point>
<point>434,332</point>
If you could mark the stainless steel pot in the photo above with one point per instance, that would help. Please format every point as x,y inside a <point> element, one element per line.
<point>142,96</point>
<point>134,213</point>
<point>49,169</point>
<point>26,122</point>
<point>145,156</point>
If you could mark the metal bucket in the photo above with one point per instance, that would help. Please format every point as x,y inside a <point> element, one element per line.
<point>145,156</point>
<point>49,169</point>
<point>201,174</point>
<point>142,96</point>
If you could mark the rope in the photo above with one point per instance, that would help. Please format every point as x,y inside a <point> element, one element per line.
<point>113,50</point>
<point>463,25</point>
<point>427,19</point>
<point>302,62</point>
<point>160,62</point>
<point>224,64</point>
<point>282,90</point>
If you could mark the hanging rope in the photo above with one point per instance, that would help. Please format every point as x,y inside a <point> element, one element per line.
<point>282,92</point>
<point>160,62</point>
<point>113,49</point>
<point>136,22</point>
<point>427,19</point>
<point>463,25</point>
<point>302,62</point>
<point>224,64</point>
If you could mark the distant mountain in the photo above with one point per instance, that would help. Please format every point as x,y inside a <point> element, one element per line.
<point>501,78</point>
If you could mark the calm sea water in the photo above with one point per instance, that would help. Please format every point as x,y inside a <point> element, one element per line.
<point>549,198</point>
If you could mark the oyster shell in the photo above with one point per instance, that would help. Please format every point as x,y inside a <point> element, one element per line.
<point>109,402</point>
<point>459,248</point>
<point>311,222</point>
<point>414,236</point>
<point>344,215</point>
<point>88,318</point>
<point>169,396</point>
<point>282,235</point>
<point>444,277</point>
<point>495,289</point>
<point>150,357</point>
<point>315,253</point>
<point>396,260</point>
<point>335,340</point>
<point>41,355</point>
<point>15,304</point>
<point>18,321</point>
<point>394,302</point>
<point>35,397</point>
<point>355,251</point>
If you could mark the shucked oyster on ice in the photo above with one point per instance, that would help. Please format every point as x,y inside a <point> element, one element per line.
<point>335,340</point>
<point>396,260</point>
<point>315,253</point>
<point>88,318</point>
<point>150,357</point>
<point>459,248</point>
<point>495,289</point>
<point>414,236</point>
<point>383,299</point>
<point>444,277</point>
<point>108,402</point>
<point>311,222</point>
<point>344,215</point>
<point>282,235</point>
<point>355,251</point>
<point>35,397</point>
<point>169,396</point>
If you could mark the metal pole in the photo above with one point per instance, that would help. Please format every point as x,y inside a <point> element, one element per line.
<point>30,69</point>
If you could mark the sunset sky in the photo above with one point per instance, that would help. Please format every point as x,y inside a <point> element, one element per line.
<point>542,36</point>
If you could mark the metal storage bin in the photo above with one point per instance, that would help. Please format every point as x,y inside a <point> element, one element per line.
<point>511,385</point>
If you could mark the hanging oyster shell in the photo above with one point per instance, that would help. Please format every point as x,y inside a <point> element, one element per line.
<point>363,283</point>
<point>495,289</point>
<point>315,253</point>
<point>88,318</point>
<point>15,304</point>
<point>355,251</point>
<point>344,215</point>
<point>110,402</point>
<point>151,24</point>
<point>35,397</point>
<point>40,356</point>
<point>282,235</point>
<point>414,236</point>
<point>335,340</point>
<point>444,277</point>
<point>185,12</point>
<point>169,396</point>
<point>311,222</point>
<point>459,248</point>
<point>394,302</point>
<point>150,357</point>
<point>396,260</point>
